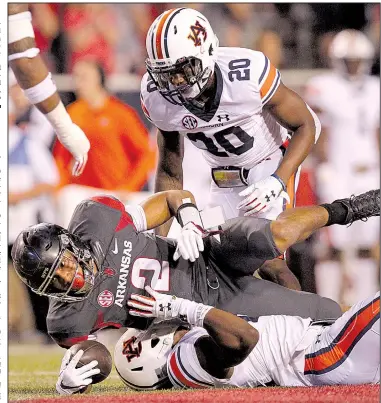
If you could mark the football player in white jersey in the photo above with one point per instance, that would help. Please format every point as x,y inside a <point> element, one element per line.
<point>233,106</point>
<point>220,349</point>
<point>348,102</point>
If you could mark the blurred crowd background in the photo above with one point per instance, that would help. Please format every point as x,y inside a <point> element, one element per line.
<point>96,53</point>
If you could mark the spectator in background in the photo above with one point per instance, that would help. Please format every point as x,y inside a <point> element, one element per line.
<point>33,177</point>
<point>121,159</point>
<point>91,34</point>
<point>348,102</point>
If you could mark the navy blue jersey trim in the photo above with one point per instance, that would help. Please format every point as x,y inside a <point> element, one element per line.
<point>166,32</point>
<point>264,70</point>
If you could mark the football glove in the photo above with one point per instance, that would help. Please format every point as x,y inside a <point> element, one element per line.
<point>167,307</point>
<point>190,242</point>
<point>160,306</point>
<point>71,379</point>
<point>261,195</point>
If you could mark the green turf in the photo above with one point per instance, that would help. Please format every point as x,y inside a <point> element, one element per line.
<point>33,372</point>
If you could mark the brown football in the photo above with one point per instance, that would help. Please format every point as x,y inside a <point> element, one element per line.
<point>93,350</point>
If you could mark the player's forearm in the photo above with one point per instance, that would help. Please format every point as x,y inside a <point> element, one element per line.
<point>162,206</point>
<point>169,174</point>
<point>233,335</point>
<point>298,149</point>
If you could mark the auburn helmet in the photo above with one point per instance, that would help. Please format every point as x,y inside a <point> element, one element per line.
<point>40,250</point>
<point>348,46</point>
<point>181,41</point>
<point>140,356</point>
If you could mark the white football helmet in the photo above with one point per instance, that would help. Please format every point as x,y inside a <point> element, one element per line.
<point>181,41</point>
<point>140,356</point>
<point>348,46</point>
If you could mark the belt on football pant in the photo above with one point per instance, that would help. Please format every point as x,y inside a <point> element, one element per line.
<point>231,176</point>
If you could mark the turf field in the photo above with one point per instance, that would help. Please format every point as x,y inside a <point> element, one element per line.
<point>33,372</point>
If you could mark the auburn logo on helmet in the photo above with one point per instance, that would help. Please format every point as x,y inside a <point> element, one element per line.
<point>131,351</point>
<point>197,30</point>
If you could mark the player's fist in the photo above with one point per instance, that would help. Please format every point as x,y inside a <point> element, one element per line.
<point>261,195</point>
<point>71,379</point>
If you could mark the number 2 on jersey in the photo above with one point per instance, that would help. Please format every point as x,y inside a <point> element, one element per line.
<point>160,277</point>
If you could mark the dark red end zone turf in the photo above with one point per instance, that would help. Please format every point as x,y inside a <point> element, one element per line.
<point>323,394</point>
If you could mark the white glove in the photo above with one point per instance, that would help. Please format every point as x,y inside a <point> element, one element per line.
<point>167,307</point>
<point>190,242</point>
<point>80,151</point>
<point>71,379</point>
<point>161,306</point>
<point>261,196</point>
<point>71,137</point>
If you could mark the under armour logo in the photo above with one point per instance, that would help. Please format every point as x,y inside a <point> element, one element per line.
<point>267,197</point>
<point>318,339</point>
<point>220,117</point>
<point>161,306</point>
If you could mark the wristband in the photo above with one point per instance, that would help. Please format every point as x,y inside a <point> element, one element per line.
<point>284,187</point>
<point>194,312</point>
<point>188,212</point>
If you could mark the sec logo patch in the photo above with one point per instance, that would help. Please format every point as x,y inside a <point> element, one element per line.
<point>189,122</point>
<point>105,298</point>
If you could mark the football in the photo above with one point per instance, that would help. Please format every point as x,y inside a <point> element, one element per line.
<point>93,350</point>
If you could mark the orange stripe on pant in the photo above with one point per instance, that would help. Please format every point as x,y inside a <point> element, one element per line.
<point>359,322</point>
<point>159,31</point>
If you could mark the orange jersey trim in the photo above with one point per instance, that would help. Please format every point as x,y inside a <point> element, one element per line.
<point>268,82</point>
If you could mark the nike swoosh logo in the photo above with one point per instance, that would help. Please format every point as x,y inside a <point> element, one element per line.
<point>115,251</point>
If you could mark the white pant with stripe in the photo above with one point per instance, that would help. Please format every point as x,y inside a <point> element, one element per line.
<point>348,351</point>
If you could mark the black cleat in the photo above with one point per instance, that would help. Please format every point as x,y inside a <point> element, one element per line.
<point>361,207</point>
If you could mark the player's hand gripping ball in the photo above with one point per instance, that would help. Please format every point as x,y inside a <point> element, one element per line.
<point>93,350</point>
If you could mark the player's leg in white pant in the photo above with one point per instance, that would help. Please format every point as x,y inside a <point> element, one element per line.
<point>347,352</point>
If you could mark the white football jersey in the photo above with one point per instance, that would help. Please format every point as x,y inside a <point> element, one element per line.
<point>278,356</point>
<point>350,111</point>
<point>237,131</point>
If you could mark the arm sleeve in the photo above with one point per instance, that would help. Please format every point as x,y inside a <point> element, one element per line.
<point>138,217</point>
<point>245,244</point>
